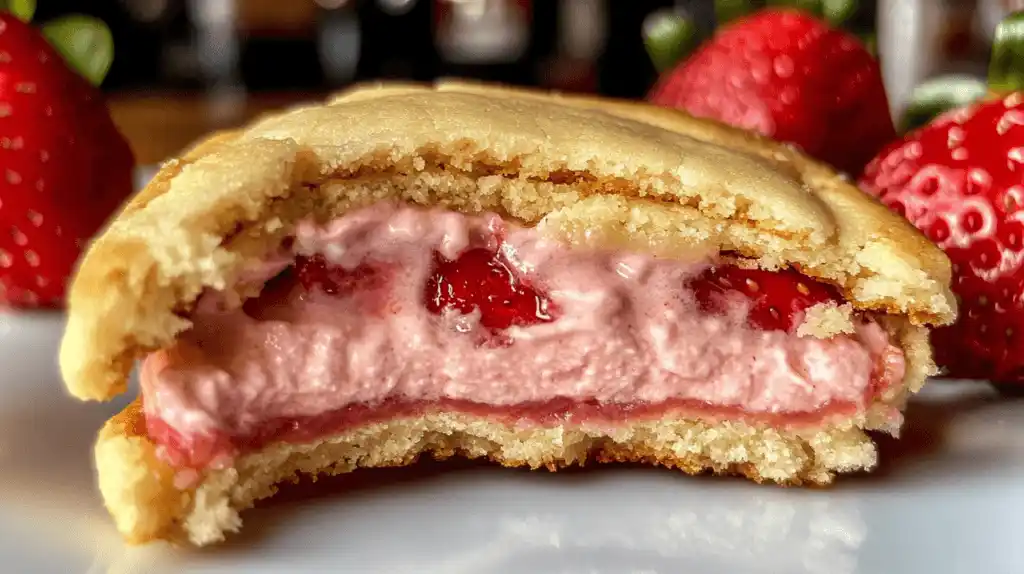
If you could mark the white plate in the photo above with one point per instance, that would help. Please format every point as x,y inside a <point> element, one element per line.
<point>948,498</point>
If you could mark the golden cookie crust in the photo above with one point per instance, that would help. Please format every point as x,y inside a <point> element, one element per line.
<point>581,168</point>
<point>140,492</point>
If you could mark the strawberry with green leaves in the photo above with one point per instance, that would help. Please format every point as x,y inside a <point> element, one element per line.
<point>64,167</point>
<point>783,73</point>
<point>960,180</point>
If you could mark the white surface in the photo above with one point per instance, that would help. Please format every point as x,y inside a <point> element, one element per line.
<point>949,498</point>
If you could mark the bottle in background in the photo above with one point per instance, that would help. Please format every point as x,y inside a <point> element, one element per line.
<point>338,41</point>
<point>487,39</point>
<point>277,44</point>
<point>395,40</point>
<point>919,40</point>
<point>578,38</point>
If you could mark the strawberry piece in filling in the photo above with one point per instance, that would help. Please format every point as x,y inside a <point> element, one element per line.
<point>776,299</point>
<point>316,273</point>
<point>394,311</point>
<point>483,280</point>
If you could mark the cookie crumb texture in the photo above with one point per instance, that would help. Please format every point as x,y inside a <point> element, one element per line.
<point>600,172</point>
<point>139,489</point>
<point>587,171</point>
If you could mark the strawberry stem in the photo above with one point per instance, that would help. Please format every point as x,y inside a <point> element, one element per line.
<point>1005,75</point>
<point>729,10</point>
<point>669,36</point>
<point>870,42</point>
<point>85,42</point>
<point>835,12</point>
<point>839,12</point>
<point>22,9</point>
<point>1006,68</point>
<point>809,6</point>
<point>938,95</point>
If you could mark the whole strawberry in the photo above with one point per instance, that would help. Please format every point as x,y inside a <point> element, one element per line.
<point>960,180</point>
<point>65,168</point>
<point>788,75</point>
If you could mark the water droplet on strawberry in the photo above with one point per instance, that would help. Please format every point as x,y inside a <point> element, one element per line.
<point>1011,233</point>
<point>973,221</point>
<point>896,206</point>
<point>927,185</point>
<point>986,255</point>
<point>938,231</point>
<point>978,182</point>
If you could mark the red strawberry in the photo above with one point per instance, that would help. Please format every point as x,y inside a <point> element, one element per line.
<point>787,75</point>
<point>481,279</point>
<point>777,298</point>
<point>316,273</point>
<point>65,167</point>
<point>960,180</point>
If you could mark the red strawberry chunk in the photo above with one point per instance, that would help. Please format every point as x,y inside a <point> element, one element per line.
<point>479,279</point>
<point>483,279</point>
<point>777,299</point>
<point>316,273</point>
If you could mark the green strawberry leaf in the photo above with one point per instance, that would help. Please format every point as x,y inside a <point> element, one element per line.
<point>811,6</point>
<point>837,12</point>
<point>729,10</point>
<point>85,42</point>
<point>1006,68</point>
<point>668,36</point>
<point>939,95</point>
<point>870,42</point>
<point>22,9</point>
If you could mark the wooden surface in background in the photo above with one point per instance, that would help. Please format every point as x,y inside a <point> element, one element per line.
<point>158,126</point>
<point>279,16</point>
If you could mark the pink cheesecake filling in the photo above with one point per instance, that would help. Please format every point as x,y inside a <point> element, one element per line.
<point>628,340</point>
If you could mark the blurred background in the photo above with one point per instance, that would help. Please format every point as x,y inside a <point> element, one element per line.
<point>184,67</point>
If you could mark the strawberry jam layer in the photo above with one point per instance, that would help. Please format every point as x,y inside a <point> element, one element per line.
<point>203,450</point>
<point>394,310</point>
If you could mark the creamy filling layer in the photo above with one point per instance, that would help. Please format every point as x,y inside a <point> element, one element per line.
<point>395,309</point>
